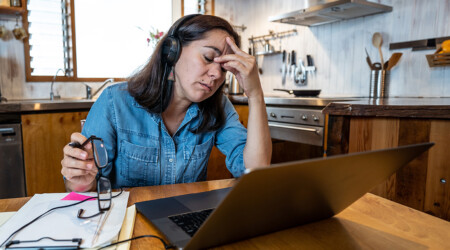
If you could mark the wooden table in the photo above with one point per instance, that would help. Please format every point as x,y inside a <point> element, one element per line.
<point>371,222</point>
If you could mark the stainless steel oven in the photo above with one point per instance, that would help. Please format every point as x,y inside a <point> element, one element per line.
<point>298,119</point>
<point>296,125</point>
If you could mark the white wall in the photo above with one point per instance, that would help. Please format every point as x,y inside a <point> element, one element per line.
<point>338,48</point>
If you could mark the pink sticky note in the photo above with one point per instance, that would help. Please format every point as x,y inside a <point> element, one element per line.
<point>72,196</point>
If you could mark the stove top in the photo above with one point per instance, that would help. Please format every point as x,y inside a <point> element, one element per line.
<point>305,101</point>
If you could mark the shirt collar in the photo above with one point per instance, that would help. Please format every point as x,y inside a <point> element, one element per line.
<point>191,113</point>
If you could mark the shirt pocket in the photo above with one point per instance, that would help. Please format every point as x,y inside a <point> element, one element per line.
<point>139,163</point>
<point>196,159</point>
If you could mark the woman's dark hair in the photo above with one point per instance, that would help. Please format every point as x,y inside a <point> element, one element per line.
<point>146,85</point>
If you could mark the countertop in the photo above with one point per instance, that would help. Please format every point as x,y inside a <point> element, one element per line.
<point>410,107</point>
<point>348,106</point>
<point>370,222</point>
<point>45,105</point>
<point>438,108</point>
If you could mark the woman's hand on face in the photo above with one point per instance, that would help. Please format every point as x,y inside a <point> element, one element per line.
<point>78,165</point>
<point>244,67</point>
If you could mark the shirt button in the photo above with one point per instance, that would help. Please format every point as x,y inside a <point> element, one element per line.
<point>170,160</point>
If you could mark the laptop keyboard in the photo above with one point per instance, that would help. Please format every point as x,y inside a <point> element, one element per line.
<point>191,222</point>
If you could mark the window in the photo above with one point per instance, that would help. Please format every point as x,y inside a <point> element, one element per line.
<point>46,46</point>
<point>108,38</point>
<point>113,42</point>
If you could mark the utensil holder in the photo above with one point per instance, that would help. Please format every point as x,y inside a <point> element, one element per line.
<point>379,83</point>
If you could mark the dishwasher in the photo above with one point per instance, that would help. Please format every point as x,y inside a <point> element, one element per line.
<point>12,173</point>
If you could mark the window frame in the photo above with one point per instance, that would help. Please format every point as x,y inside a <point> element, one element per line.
<point>177,12</point>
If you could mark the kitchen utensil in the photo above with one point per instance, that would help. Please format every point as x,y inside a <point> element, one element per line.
<point>3,31</point>
<point>302,92</point>
<point>268,47</point>
<point>283,68</point>
<point>379,83</point>
<point>293,66</point>
<point>253,49</point>
<point>309,60</point>
<point>300,72</point>
<point>368,60</point>
<point>377,41</point>
<point>288,64</point>
<point>234,88</point>
<point>385,65</point>
<point>394,60</point>
<point>19,33</point>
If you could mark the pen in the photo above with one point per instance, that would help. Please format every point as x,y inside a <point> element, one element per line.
<point>100,225</point>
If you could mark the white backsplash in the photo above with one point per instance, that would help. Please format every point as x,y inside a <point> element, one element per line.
<point>338,48</point>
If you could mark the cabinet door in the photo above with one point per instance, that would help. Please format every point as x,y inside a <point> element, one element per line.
<point>423,183</point>
<point>44,136</point>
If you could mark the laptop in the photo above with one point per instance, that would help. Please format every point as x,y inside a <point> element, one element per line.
<point>277,197</point>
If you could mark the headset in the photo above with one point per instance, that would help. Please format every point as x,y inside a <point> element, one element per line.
<point>172,46</point>
<point>170,53</point>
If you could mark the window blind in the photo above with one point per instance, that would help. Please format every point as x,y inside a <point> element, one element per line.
<point>49,37</point>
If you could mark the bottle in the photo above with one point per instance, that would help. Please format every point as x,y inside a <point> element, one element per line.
<point>233,86</point>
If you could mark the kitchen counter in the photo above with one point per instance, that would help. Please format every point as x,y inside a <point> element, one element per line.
<point>392,107</point>
<point>389,107</point>
<point>44,105</point>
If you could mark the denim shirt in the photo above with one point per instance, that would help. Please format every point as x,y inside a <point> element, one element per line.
<point>141,152</point>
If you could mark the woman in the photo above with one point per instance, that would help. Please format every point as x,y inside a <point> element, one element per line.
<point>159,131</point>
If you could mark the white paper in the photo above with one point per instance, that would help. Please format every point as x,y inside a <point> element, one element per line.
<point>63,223</point>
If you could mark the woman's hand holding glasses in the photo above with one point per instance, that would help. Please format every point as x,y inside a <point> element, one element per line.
<point>78,165</point>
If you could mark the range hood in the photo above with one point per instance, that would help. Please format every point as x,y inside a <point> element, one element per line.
<point>318,12</point>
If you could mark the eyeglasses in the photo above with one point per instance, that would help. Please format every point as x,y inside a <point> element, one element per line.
<point>104,193</point>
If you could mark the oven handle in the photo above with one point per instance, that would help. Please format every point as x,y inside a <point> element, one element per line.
<point>6,131</point>
<point>292,127</point>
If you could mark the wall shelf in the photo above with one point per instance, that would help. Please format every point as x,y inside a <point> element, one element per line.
<point>424,44</point>
<point>438,59</point>
<point>264,40</point>
<point>6,10</point>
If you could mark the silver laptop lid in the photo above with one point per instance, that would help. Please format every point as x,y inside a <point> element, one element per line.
<point>290,194</point>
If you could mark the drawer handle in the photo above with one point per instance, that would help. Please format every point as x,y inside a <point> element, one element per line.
<point>296,128</point>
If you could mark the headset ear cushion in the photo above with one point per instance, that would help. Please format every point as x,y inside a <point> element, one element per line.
<point>171,50</point>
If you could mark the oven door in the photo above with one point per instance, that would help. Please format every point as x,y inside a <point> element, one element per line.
<point>312,135</point>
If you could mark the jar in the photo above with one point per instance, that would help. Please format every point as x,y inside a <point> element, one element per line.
<point>16,3</point>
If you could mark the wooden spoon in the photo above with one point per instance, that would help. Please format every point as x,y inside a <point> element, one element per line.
<point>377,41</point>
<point>394,60</point>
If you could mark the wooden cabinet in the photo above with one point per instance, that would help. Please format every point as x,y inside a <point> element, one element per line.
<point>423,183</point>
<point>44,136</point>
